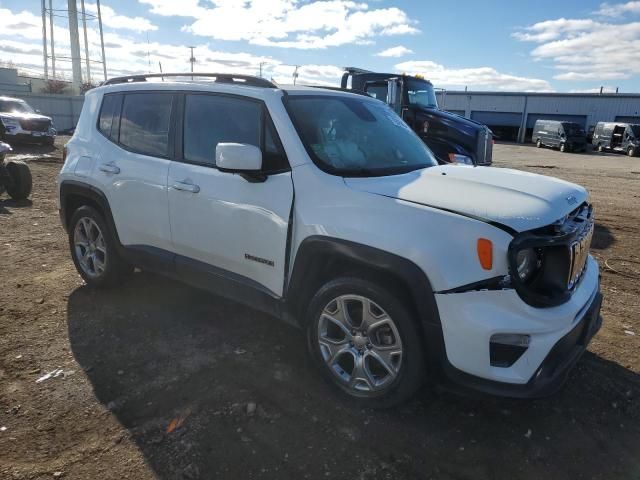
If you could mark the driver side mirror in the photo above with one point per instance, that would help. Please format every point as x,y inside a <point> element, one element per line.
<point>240,158</point>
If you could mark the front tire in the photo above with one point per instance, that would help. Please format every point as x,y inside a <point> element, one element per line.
<point>21,182</point>
<point>93,249</point>
<point>366,342</point>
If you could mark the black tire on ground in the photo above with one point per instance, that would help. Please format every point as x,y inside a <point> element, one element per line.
<point>631,151</point>
<point>538,143</point>
<point>412,372</point>
<point>20,179</point>
<point>563,147</point>
<point>116,268</point>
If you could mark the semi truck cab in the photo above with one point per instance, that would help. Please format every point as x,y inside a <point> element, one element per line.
<point>452,138</point>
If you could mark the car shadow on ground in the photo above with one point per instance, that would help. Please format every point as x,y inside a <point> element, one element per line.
<point>211,389</point>
<point>603,238</point>
<point>5,204</point>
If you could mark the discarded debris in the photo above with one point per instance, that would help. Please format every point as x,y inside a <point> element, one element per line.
<point>251,408</point>
<point>58,474</point>
<point>3,429</point>
<point>528,434</point>
<point>52,374</point>
<point>629,332</point>
<point>239,351</point>
<point>177,422</point>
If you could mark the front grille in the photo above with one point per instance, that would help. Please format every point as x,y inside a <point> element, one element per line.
<point>35,125</point>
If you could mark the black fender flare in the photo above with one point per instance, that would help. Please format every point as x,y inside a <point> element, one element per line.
<point>74,188</point>
<point>317,254</point>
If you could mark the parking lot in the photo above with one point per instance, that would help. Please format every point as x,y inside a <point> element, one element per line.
<point>159,380</point>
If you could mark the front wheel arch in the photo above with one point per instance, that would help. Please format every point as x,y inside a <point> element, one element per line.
<point>320,259</point>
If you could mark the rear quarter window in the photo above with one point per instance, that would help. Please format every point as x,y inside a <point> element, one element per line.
<point>109,119</point>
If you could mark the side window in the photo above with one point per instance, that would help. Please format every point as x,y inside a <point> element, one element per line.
<point>377,91</point>
<point>211,119</point>
<point>144,124</point>
<point>110,116</point>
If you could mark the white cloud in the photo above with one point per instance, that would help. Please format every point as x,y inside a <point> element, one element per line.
<point>484,78</point>
<point>21,43</point>
<point>312,24</point>
<point>584,49</point>
<point>399,51</point>
<point>114,20</point>
<point>618,9</point>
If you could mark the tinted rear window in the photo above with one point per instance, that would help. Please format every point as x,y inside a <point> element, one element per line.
<point>144,125</point>
<point>110,116</point>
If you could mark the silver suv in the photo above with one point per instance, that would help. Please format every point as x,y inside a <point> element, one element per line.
<point>21,123</point>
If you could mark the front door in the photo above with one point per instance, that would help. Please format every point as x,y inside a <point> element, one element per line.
<point>224,221</point>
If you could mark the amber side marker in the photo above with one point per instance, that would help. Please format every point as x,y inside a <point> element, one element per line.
<point>485,253</point>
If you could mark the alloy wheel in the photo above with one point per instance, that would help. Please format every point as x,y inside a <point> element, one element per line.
<point>360,344</point>
<point>90,247</point>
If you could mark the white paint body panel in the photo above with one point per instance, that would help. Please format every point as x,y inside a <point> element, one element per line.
<point>230,217</point>
<point>520,200</point>
<point>409,215</point>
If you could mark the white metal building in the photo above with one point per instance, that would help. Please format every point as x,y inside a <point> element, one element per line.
<point>511,115</point>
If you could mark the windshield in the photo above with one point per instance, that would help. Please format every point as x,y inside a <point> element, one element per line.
<point>421,93</point>
<point>636,130</point>
<point>573,129</point>
<point>15,106</point>
<point>357,137</point>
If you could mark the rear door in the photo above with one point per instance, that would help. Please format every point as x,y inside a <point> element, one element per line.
<point>134,164</point>
<point>222,222</point>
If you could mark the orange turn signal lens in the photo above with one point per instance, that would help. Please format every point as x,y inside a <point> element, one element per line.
<point>485,253</point>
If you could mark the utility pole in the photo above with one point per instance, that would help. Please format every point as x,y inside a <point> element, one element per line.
<point>44,42</point>
<point>75,44</point>
<point>295,74</point>
<point>104,59</point>
<point>261,64</point>
<point>192,60</point>
<point>53,51</point>
<point>86,42</point>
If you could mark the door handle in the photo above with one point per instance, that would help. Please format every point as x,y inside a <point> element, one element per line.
<point>186,187</point>
<point>109,168</point>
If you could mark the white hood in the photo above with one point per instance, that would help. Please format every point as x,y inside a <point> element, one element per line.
<point>24,116</point>
<point>520,200</point>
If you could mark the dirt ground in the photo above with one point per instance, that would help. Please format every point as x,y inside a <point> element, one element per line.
<point>160,380</point>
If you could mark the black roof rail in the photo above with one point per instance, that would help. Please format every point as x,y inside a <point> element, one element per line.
<point>248,80</point>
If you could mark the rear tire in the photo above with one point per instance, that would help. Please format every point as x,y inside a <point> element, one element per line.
<point>20,179</point>
<point>351,324</point>
<point>93,249</point>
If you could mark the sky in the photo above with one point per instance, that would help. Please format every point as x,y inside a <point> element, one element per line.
<point>510,45</point>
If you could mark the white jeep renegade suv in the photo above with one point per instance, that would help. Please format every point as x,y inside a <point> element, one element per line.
<point>323,208</point>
